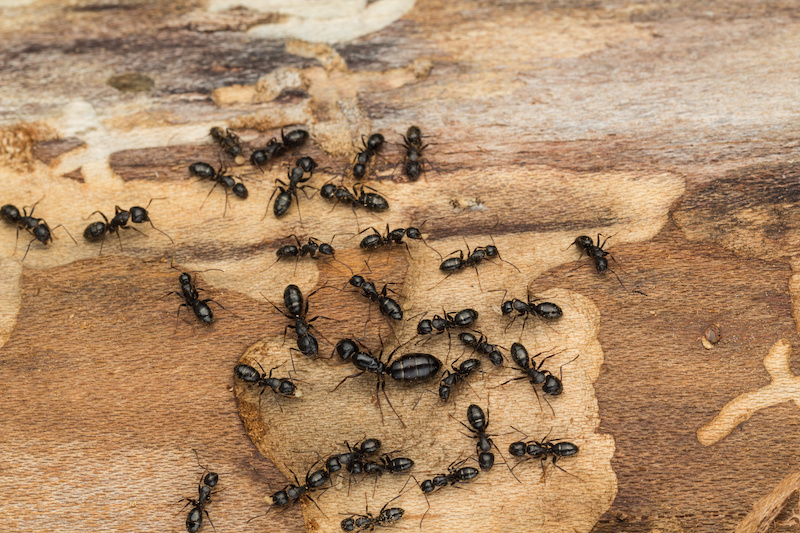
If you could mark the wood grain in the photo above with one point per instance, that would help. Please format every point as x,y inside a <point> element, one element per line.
<point>670,126</point>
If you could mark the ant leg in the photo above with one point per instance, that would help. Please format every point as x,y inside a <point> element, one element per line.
<point>160,231</point>
<point>620,281</point>
<point>28,249</point>
<point>383,389</point>
<point>204,200</point>
<point>68,233</point>
<point>346,378</point>
<point>222,306</point>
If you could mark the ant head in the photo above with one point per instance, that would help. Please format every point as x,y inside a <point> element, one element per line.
<point>42,233</point>
<point>601,264</point>
<point>327,191</point>
<point>357,281</point>
<point>286,388</point>
<point>139,214</point>
<point>375,141</point>
<point>491,251</point>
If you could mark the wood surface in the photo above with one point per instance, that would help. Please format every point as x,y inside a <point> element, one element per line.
<point>669,126</point>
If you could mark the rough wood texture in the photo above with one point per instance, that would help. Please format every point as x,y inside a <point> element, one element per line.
<point>671,126</point>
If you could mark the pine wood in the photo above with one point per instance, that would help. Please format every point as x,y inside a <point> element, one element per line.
<point>669,126</point>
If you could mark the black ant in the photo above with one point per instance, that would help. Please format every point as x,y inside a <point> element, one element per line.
<point>371,147</point>
<point>273,150</point>
<point>410,367</point>
<point>136,215</point>
<point>545,310</point>
<point>372,201</point>
<point>387,305</point>
<point>283,202</point>
<point>479,423</point>
<point>298,309</point>
<point>551,385</point>
<point>313,248</point>
<point>195,517</point>
<point>586,245</point>
<point>353,459</point>
<point>457,375</point>
<point>190,294</point>
<point>366,522</point>
<point>228,141</point>
<point>480,345</point>
<point>280,387</point>
<point>37,227</point>
<point>456,473</point>
<point>204,171</point>
<point>542,450</point>
<point>474,257</point>
<point>462,319</point>
<point>376,240</point>
<point>413,160</point>
<point>292,492</point>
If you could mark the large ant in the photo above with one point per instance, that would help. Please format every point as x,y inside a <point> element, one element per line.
<point>456,473</point>
<point>479,423</point>
<point>545,310</point>
<point>551,385</point>
<point>136,215</point>
<point>283,201</point>
<point>413,160</point>
<point>35,226</point>
<point>410,367</point>
<point>542,450</point>
<point>371,147</point>
<point>190,294</point>
<point>204,171</point>
<point>587,246</point>
<point>372,201</point>
<point>298,309</point>
<point>228,141</point>
<point>195,517</point>
<point>280,386</point>
<point>480,345</point>
<point>366,522</point>
<point>395,236</point>
<point>474,257</point>
<point>457,375</point>
<point>388,306</point>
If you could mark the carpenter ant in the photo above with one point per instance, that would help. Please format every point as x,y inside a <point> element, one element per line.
<point>136,215</point>
<point>456,473</point>
<point>353,459</point>
<point>386,304</point>
<point>457,375</point>
<point>410,367</point>
<point>190,294</point>
<point>292,492</point>
<point>480,345</point>
<point>37,227</point>
<point>586,245</point>
<point>479,423</point>
<point>474,257</point>
<point>545,310</point>
<point>372,201</point>
<point>298,309</point>
<point>462,319</point>
<point>228,141</point>
<point>204,171</point>
<point>195,517</point>
<point>551,385</point>
<point>376,240</point>
<point>542,450</point>
<point>273,150</point>
<point>280,387</point>
<point>413,160</point>
<point>366,522</point>
<point>312,248</point>
<point>371,147</point>
<point>282,203</point>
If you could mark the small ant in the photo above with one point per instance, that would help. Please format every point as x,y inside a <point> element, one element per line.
<point>298,309</point>
<point>190,294</point>
<point>545,310</point>
<point>551,385</point>
<point>353,459</point>
<point>204,171</point>
<point>136,215</point>
<point>195,517</point>
<point>480,345</point>
<point>410,367</point>
<point>273,150</point>
<point>388,306</point>
<point>479,423</point>
<point>311,249</point>
<point>283,202</point>
<point>413,160</point>
<point>228,141</point>
<point>474,257</point>
<point>280,387</point>
<point>371,147</point>
<point>376,240</point>
<point>455,474</point>
<point>542,450</point>
<point>586,245</point>
<point>292,492</point>
<point>366,522</point>
<point>372,201</point>
<point>462,319</point>
<point>35,226</point>
<point>457,375</point>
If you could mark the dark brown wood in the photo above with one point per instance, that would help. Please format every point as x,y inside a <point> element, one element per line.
<point>669,127</point>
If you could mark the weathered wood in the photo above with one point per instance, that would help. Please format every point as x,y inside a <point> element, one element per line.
<point>670,127</point>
